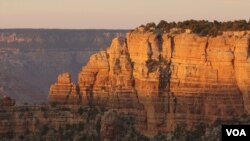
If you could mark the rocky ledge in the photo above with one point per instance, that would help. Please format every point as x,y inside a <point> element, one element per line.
<point>165,79</point>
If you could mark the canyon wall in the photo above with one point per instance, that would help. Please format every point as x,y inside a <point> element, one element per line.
<point>30,59</point>
<point>165,79</point>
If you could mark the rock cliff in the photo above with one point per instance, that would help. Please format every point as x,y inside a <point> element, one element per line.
<point>64,91</point>
<point>166,79</point>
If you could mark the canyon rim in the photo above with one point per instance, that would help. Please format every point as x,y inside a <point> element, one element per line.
<point>164,79</point>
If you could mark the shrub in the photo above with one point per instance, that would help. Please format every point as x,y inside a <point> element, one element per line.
<point>202,27</point>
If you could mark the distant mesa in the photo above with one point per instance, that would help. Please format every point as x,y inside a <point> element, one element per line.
<point>10,38</point>
<point>166,78</point>
<point>31,58</point>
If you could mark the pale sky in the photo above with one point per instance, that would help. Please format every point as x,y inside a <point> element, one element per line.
<point>114,14</point>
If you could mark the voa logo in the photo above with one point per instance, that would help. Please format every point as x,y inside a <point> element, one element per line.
<point>236,132</point>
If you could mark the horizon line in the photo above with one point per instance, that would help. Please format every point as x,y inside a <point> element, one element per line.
<point>64,29</point>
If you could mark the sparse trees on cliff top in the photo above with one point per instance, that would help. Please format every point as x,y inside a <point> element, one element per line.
<point>202,27</point>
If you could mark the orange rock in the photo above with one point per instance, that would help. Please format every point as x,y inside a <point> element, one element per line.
<point>166,78</point>
<point>63,91</point>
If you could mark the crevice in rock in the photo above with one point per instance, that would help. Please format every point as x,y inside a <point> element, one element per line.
<point>205,51</point>
<point>149,51</point>
<point>172,47</point>
<point>233,63</point>
<point>170,60</point>
<point>248,51</point>
<point>160,40</point>
<point>90,95</point>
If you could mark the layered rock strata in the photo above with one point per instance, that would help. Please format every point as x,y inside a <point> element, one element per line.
<point>166,79</point>
<point>63,91</point>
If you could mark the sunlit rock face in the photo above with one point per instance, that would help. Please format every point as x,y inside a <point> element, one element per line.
<point>63,91</point>
<point>168,79</point>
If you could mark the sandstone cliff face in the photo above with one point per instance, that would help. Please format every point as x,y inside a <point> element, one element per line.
<point>169,79</point>
<point>64,91</point>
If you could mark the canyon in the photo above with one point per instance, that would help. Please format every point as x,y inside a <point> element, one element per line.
<point>30,59</point>
<point>164,79</point>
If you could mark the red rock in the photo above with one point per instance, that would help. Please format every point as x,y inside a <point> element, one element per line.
<point>166,79</point>
<point>63,91</point>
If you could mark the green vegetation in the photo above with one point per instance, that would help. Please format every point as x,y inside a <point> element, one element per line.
<point>92,112</point>
<point>53,104</point>
<point>161,136</point>
<point>64,109</point>
<point>126,131</point>
<point>102,124</point>
<point>201,27</point>
<point>80,110</point>
<point>183,133</point>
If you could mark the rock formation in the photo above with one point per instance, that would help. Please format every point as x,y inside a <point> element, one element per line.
<point>63,91</point>
<point>166,79</point>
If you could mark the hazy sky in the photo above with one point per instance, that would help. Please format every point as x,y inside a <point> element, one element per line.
<point>114,14</point>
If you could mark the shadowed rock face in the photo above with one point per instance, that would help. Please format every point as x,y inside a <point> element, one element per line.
<point>168,79</point>
<point>30,59</point>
